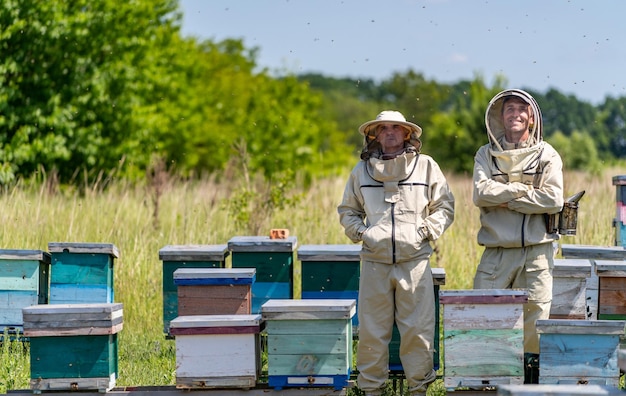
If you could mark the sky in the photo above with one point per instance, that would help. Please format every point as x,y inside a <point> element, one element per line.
<point>575,46</point>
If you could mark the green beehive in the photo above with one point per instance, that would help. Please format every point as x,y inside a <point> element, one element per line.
<point>185,256</point>
<point>330,272</point>
<point>82,273</point>
<point>73,346</point>
<point>24,278</point>
<point>273,260</point>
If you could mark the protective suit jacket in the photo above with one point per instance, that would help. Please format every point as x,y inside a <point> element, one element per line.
<point>527,178</point>
<point>396,206</point>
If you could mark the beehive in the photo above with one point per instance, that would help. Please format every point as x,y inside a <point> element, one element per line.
<point>611,289</point>
<point>579,351</point>
<point>24,277</point>
<point>217,351</point>
<point>331,272</point>
<point>185,256</point>
<point>569,289</point>
<point>483,334</point>
<point>309,342</point>
<point>73,346</point>
<point>214,291</point>
<point>273,261</point>
<point>82,272</point>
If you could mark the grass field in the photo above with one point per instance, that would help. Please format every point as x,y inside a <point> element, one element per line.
<point>139,221</point>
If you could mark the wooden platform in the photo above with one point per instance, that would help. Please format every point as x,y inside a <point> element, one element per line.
<point>259,390</point>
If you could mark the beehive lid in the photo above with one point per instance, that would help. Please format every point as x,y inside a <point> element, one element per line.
<point>483,296</point>
<point>262,244</point>
<point>346,252</point>
<point>287,309</point>
<point>77,247</point>
<point>38,255</point>
<point>214,276</point>
<point>439,276</point>
<point>611,268</point>
<point>216,324</point>
<point>76,319</point>
<point>194,252</point>
<point>567,326</point>
<point>572,268</point>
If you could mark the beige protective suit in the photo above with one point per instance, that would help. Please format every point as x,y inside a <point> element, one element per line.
<point>395,207</point>
<point>528,179</point>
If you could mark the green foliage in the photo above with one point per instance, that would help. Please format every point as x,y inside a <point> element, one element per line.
<point>578,151</point>
<point>15,366</point>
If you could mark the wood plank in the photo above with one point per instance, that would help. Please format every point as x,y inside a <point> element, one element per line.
<point>207,382</point>
<point>73,331</point>
<point>304,344</point>
<point>311,364</point>
<point>25,254</point>
<point>338,253</point>
<point>79,247</point>
<point>466,354</point>
<point>171,390</point>
<point>593,252</point>
<point>262,244</point>
<point>204,355</point>
<point>19,275</point>
<point>554,390</point>
<point>483,316</point>
<point>611,268</point>
<point>322,326</point>
<point>194,252</point>
<point>572,268</point>
<point>285,309</point>
<point>482,383</point>
<point>101,384</point>
<point>484,296</point>
<point>222,274</point>
<point>598,327</point>
<point>569,298</point>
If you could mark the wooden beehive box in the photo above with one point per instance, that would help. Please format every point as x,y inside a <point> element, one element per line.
<point>185,256</point>
<point>611,289</point>
<point>73,346</point>
<point>330,272</point>
<point>24,278</point>
<point>309,342</point>
<point>81,272</point>
<point>569,289</point>
<point>214,291</point>
<point>483,334</point>
<point>395,364</point>
<point>273,260</point>
<point>556,390</point>
<point>217,351</point>
<point>579,351</point>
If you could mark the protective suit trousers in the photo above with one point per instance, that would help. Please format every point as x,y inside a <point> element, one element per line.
<point>404,293</point>
<point>521,268</point>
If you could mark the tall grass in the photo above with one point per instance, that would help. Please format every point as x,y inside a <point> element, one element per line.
<point>198,213</point>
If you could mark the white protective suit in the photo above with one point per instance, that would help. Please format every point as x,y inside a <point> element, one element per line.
<point>396,207</point>
<point>527,179</point>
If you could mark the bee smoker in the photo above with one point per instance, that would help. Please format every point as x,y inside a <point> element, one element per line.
<point>566,221</point>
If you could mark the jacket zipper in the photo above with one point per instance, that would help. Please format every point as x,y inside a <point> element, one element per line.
<point>393,233</point>
<point>523,236</point>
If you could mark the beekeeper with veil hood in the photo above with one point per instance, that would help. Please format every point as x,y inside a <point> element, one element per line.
<point>518,184</point>
<point>396,202</point>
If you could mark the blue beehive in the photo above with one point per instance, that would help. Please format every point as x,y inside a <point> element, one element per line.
<point>579,351</point>
<point>82,273</point>
<point>24,277</point>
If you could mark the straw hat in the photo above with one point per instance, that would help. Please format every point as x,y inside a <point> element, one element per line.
<point>391,116</point>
